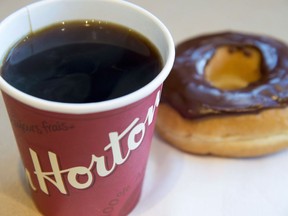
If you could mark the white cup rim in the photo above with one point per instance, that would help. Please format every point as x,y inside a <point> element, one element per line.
<point>85,108</point>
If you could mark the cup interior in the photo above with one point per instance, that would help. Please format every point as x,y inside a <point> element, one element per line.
<point>45,13</point>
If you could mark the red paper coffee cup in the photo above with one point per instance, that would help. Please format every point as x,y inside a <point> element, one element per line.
<point>85,159</point>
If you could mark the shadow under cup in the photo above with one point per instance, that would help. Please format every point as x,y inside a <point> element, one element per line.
<point>85,159</point>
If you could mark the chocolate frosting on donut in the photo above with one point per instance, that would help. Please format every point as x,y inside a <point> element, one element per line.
<point>192,96</point>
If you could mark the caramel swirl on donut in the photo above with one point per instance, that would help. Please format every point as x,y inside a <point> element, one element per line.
<point>195,87</point>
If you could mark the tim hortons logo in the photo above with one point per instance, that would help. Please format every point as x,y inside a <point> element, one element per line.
<point>56,175</point>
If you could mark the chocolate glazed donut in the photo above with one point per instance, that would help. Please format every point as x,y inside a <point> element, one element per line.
<point>188,92</point>
<point>198,116</point>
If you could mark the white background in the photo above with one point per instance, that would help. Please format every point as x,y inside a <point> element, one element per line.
<point>178,183</point>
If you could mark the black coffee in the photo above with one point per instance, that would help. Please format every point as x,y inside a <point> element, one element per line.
<point>81,62</point>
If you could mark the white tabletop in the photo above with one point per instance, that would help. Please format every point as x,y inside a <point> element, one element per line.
<point>178,183</point>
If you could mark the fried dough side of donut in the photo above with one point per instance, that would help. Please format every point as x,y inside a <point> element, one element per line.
<point>246,135</point>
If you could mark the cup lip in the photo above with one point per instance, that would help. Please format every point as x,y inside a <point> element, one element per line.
<point>94,107</point>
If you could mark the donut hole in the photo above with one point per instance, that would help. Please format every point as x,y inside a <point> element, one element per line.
<point>233,67</point>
